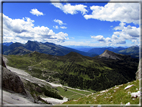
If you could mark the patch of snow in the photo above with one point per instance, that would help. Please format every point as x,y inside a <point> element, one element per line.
<point>135,94</point>
<point>128,103</point>
<point>55,101</point>
<point>128,87</point>
<point>55,85</point>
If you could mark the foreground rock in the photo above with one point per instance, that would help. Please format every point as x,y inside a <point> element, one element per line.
<point>10,81</point>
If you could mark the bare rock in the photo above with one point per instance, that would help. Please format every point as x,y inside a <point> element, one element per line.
<point>109,54</point>
<point>10,81</point>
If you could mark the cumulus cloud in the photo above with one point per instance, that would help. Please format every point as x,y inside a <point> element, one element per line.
<point>71,9</point>
<point>129,32</point>
<point>60,22</point>
<point>21,30</point>
<point>63,27</point>
<point>120,35</point>
<point>99,38</point>
<point>123,12</point>
<point>36,12</point>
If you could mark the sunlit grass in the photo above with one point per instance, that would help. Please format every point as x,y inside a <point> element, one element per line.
<point>114,95</point>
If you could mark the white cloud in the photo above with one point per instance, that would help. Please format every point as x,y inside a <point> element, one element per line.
<point>120,35</point>
<point>56,27</point>
<point>63,27</point>
<point>60,22</point>
<point>71,9</point>
<point>21,30</point>
<point>36,12</point>
<point>99,38</point>
<point>123,12</point>
<point>129,32</point>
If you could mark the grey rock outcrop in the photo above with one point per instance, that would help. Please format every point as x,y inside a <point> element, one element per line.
<point>11,81</point>
<point>109,54</point>
<point>138,73</point>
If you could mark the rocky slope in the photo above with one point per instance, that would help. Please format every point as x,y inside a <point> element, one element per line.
<point>11,81</point>
<point>109,54</point>
<point>33,87</point>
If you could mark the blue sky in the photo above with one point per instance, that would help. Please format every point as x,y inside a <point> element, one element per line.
<point>72,24</point>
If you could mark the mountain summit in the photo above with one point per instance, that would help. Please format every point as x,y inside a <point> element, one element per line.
<point>109,54</point>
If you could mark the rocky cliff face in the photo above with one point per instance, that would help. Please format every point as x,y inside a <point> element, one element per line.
<point>109,54</point>
<point>138,73</point>
<point>10,81</point>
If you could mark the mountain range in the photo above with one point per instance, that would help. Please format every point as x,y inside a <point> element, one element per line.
<point>133,51</point>
<point>58,50</point>
<point>47,48</point>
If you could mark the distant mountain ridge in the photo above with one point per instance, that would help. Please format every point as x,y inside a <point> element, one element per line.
<point>47,48</point>
<point>58,50</point>
<point>100,50</point>
<point>7,43</point>
<point>133,51</point>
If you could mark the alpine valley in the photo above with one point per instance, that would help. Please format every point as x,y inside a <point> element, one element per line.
<point>77,73</point>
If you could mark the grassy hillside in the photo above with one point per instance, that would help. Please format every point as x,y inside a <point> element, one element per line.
<point>76,70</point>
<point>118,94</point>
<point>71,93</point>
